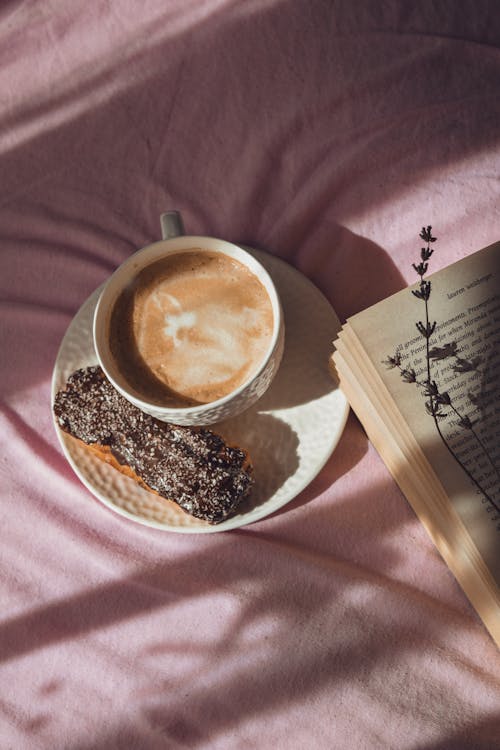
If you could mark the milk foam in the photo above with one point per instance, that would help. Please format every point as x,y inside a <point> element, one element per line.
<point>201,324</point>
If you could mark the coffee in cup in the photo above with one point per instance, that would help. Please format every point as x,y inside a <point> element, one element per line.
<point>190,328</point>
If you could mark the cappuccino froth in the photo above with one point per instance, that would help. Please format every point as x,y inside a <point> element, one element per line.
<point>191,328</point>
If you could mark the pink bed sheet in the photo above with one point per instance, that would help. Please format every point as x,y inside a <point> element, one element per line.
<point>326,133</point>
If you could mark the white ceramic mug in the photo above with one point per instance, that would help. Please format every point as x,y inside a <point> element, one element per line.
<point>174,242</point>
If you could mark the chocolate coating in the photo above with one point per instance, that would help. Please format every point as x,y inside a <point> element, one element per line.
<point>193,467</point>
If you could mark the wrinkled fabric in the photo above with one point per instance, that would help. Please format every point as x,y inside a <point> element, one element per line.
<point>327,133</point>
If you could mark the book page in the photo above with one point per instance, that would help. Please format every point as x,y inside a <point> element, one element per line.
<point>455,420</point>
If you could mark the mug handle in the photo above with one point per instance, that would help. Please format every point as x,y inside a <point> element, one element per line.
<point>171,225</point>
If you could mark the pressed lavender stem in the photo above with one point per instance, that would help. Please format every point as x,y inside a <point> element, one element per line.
<point>435,417</point>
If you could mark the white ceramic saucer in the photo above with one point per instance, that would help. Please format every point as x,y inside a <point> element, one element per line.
<point>290,433</point>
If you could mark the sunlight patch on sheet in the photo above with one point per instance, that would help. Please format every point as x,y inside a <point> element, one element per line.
<point>82,63</point>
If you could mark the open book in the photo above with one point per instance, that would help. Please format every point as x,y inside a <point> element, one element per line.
<point>421,370</point>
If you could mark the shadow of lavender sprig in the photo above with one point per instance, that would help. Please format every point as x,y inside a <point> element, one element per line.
<point>438,403</point>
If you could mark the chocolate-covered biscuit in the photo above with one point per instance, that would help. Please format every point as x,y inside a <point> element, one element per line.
<point>194,467</point>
